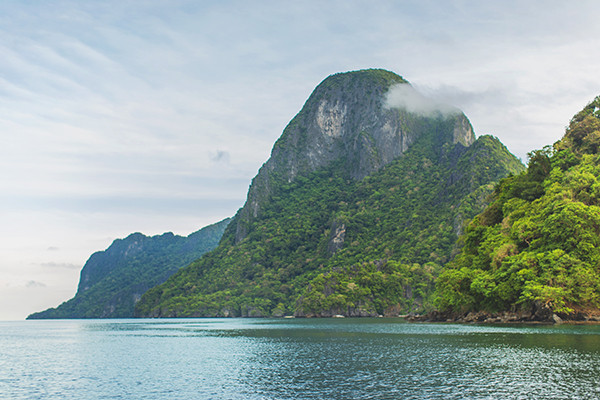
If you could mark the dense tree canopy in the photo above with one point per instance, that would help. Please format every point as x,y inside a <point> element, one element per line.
<point>538,242</point>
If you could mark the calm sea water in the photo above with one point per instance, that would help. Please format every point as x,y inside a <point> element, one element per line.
<point>295,359</point>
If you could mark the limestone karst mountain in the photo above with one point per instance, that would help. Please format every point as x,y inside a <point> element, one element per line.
<point>354,213</point>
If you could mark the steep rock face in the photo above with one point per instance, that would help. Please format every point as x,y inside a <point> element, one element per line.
<point>102,263</point>
<point>355,212</point>
<point>113,280</point>
<point>347,117</point>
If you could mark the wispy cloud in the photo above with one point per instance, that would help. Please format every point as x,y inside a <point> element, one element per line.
<point>35,284</point>
<point>405,97</point>
<point>53,264</point>
<point>220,156</point>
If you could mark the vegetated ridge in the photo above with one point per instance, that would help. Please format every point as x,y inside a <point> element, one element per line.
<point>355,212</point>
<point>113,280</point>
<point>534,252</point>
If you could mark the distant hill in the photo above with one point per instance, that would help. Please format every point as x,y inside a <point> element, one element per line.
<point>535,250</point>
<point>113,280</point>
<point>354,213</point>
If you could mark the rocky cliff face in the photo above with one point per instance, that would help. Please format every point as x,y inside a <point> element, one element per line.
<point>102,263</point>
<point>348,117</point>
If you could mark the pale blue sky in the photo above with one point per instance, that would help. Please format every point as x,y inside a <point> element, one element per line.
<point>124,116</point>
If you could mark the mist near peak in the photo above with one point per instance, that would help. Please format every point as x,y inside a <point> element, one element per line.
<point>404,97</point>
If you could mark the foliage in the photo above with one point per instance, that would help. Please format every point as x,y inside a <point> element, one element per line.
<point>583,133</point>
<point>538,242</point>
<point>372,288</point>
<point>380,77</point>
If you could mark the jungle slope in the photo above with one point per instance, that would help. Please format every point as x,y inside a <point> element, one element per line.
<point>534,253</point>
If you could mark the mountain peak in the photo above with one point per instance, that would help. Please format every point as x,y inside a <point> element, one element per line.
<point>362,120</point>
<point>373,77</point>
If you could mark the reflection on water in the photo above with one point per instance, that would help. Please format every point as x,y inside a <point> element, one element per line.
<point>296,359</point>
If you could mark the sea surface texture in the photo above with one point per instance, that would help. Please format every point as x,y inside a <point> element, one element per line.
<point>295,359</point>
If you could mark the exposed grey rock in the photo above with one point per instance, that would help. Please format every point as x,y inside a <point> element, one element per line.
<point>557,319</point>
<point>345,118</point>
<point>338,234</point>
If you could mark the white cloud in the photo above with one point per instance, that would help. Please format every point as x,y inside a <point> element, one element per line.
<point>405,97</point>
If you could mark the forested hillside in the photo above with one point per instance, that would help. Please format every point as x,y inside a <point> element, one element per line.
<point>536,248</point>
<point>113,280</point>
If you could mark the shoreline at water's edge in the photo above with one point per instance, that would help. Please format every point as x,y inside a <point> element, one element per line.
<point>425,318</point>
<point>537,314</point>
<point>506,317</point>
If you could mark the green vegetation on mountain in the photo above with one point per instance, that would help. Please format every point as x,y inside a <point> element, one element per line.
<point>354,213</point>
<point>537,245</point>
<point>113,280</point>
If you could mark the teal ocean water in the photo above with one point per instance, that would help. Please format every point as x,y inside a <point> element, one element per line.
<point>295,359</point>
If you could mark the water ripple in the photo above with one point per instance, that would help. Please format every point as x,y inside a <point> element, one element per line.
<point>296,359</point>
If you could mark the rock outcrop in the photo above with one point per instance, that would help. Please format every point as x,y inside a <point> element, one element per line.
<point>348,118</point>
